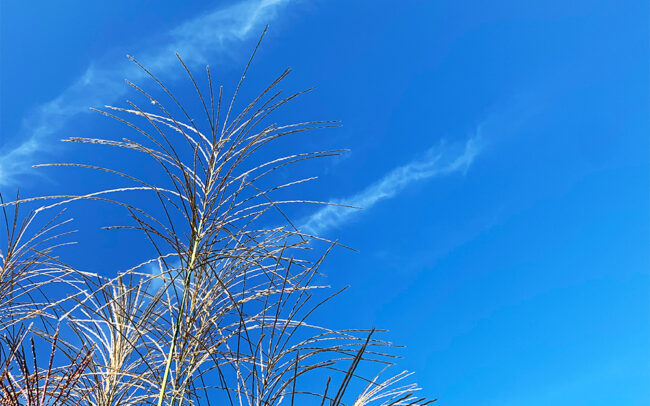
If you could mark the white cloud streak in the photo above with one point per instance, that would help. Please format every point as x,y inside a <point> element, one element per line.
<point>440,160</point>
<point>196,40</point>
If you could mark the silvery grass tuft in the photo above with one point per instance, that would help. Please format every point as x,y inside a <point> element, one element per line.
<point>221,313</point>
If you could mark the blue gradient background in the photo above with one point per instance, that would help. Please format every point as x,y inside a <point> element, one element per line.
<point>521,281</point>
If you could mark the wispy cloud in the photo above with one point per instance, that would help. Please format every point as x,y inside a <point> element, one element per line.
<point>196,40</point>
<point>440,160</point>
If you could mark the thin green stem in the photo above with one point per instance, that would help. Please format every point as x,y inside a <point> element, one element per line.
<point>179,317</point>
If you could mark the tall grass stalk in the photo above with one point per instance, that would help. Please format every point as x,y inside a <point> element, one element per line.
<point>224,314</point>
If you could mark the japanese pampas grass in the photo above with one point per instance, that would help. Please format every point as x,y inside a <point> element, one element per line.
<point>226,317</point>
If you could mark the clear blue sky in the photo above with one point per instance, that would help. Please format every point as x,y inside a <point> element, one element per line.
<point>500,149</point>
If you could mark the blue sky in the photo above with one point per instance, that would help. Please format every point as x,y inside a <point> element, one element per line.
<point>499,149</point>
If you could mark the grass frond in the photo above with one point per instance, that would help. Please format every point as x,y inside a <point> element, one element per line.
<point>225,308</point>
